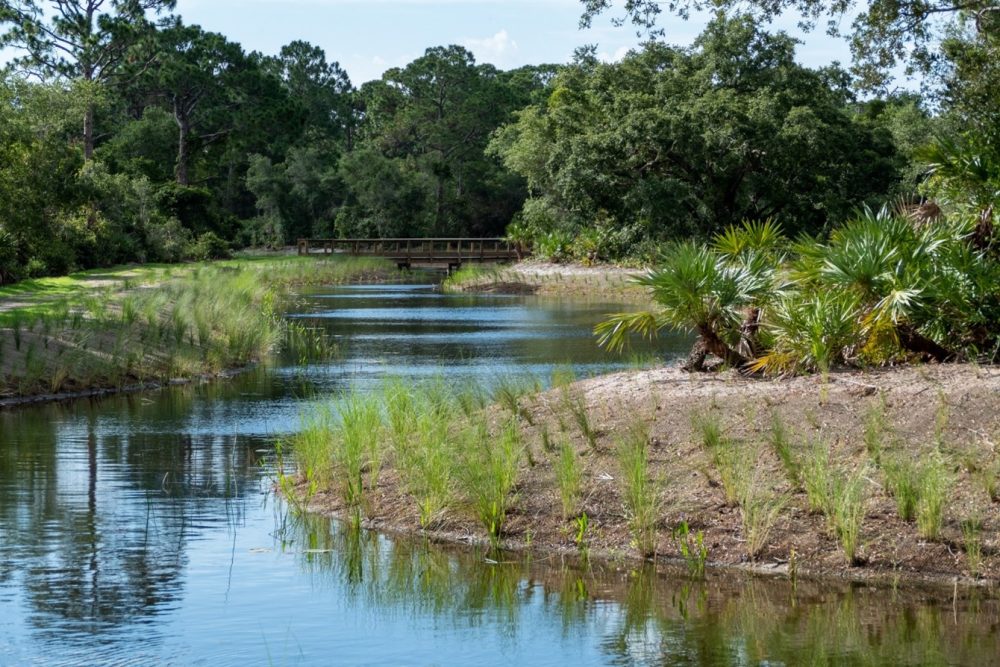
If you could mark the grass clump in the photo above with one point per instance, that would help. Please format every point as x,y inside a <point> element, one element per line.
<point>935,487</point>
<point>641,494</point>
<point>509,391</point>
<point>972,529</point>
<point>781,444</point>
<point>875,430</point>
<point>358,447</point>
<point>759,505</point>
<point>488,474</point>
<point>577,408</point>
<point>569,478</point>
<point>723,453</point>
<point>903,483</point>
<point>850,496</point>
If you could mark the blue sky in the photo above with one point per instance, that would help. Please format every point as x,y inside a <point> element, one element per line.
<point>368,36</point>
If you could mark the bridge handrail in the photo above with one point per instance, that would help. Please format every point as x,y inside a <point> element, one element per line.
<point>430,248</point>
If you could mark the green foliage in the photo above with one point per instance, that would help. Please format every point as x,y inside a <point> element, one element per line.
<point>673,142</point>
<point>569,478</point>
<point>488,474</point>
<point>642,495</point>
<point>692,549</point>
<point>935,490</point>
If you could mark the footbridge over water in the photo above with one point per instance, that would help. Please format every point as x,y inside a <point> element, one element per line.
<point>442,253</point>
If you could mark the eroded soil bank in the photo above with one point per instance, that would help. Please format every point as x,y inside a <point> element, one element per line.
<point>948,409</point>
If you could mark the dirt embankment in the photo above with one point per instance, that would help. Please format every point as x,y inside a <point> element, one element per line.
<point>950,409</point>
<point>548,279</point>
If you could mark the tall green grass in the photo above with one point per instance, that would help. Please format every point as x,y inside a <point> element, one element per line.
<point>488,474</point>
<point>642,495</point>
<point>569,479</point>
<point>205,319</point>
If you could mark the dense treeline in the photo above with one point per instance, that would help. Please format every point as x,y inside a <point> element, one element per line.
<point>153,140</point>
<point>128,135</point>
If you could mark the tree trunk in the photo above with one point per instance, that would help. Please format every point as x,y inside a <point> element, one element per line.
<point>181,169</point>
<point>696,357</point>
<point>717,346</point>
<point>88,133</point>
<point>914,341</point>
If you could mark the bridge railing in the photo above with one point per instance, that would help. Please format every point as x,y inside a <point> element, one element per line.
<point>426,249</point>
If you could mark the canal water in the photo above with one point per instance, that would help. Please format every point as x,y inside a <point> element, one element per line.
<point>142,530</point>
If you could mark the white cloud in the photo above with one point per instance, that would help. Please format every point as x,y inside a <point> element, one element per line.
<point>498,49</point>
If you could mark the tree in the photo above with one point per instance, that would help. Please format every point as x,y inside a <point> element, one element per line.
<point>425,129</point>
<point>86,40</point>
<point>323,89</point>
<point>883,31</point>
<point>677,142</point>
<point>195,74</point>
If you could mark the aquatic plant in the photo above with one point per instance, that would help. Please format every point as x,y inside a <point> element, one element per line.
<point>934,490</point>
<point>692,549</point>
<point>642,495</point>
<point>781,445</point>
<point>488,473</point>
<point>569,478</point>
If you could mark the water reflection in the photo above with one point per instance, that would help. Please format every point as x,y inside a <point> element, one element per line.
<point>651,616</point>
<point>141,530</point>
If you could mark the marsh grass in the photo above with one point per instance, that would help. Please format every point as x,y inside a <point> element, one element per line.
<point>569,479</point>
<point>819,478</point>
<point>576,405</point>
<point>876,429</point>
<point>509,392</point>
<point>781,444</point>
<point>642,495</point>
<point>359,450</point>
<point>723,453</point>
<point>850,496</point>
<point>985,470</point>
<point>759,505</point>
<point>201,320</point>
<point>972,542</point>
<point>902,477</point>
<point>935,489</point>
<point>488,474</point>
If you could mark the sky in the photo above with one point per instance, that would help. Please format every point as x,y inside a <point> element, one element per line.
<point>369,36</point>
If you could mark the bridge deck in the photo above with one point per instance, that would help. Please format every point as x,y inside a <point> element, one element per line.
<point>407,252</point>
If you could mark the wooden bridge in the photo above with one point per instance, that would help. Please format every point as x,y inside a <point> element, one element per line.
<point>431,253</point>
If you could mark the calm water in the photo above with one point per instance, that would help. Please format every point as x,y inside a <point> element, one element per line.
<point>141,530</point>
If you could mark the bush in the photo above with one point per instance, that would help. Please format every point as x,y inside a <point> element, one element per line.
<point>209,246</point>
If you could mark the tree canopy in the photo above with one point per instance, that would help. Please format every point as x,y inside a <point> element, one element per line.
<point>882,32</point>
<point>673,142</point>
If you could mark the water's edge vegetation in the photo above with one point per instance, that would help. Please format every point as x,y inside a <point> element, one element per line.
<point>842,478</point>
<point>165,326</point>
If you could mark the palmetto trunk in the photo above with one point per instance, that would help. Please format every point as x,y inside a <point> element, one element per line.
<point>713,344</point>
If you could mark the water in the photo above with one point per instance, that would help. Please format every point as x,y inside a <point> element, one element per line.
<point>141,530</point>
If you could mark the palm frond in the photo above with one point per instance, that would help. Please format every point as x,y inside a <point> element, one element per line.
<point>613,333</point>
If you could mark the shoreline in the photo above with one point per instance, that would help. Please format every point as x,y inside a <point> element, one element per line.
<point>199,323</point>
<point>602,281</point>
<point>799,544</point>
